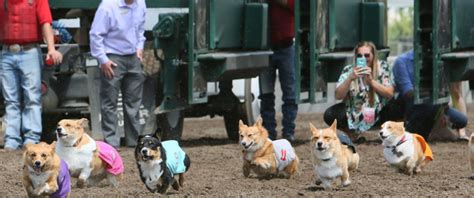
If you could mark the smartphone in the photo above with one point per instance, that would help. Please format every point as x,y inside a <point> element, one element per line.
<point>361,62</point>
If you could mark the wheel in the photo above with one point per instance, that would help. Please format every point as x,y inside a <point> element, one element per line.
<point>247,111</point>
<point>231,121</point>
<point>170,125</point>
<point>50,123</point>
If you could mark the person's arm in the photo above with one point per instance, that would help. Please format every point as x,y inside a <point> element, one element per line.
<point>344,82</point>
<point>402,78</point>
<point>99,29</point>
<point>141,34</point>
<point>384,91</point>
<point>45,20</point>
<point>343,88</point>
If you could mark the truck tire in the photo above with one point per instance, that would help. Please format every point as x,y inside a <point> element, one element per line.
<point>170,125</point>
<point>244,111</point>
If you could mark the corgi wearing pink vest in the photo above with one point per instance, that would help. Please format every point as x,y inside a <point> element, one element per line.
<point>89,160</point>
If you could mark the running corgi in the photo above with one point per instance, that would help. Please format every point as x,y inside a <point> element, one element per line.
<point>333,159</point>
<point>264,157</point>
<point>407,152</point>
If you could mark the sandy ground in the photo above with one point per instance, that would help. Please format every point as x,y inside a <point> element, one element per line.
<point>216,170</point>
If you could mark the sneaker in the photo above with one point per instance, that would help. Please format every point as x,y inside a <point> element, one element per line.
<point>290,138</point>
<point>10,149</point>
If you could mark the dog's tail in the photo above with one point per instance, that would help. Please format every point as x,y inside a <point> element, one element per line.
<point>187,162</point>
<point>354,162</point>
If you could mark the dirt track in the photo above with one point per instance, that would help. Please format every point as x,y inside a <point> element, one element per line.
<point>216,170</point>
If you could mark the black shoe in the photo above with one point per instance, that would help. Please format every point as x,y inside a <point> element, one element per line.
<point>290,138</point>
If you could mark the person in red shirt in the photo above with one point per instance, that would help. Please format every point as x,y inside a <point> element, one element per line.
<point>23,25</point>
<point>282,32</point>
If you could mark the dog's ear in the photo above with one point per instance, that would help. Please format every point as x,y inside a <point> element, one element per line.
<point>401,125</point>
<point>312,128</point>
<point>53,147</point>
<point>334,125</point>
<point>84,122</point>
<point>27,146</point>
<point>259,122</point>
<point>158,133</point>
<point>241,124</point>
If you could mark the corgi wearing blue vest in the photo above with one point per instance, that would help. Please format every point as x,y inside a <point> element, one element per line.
<point>161,163</point>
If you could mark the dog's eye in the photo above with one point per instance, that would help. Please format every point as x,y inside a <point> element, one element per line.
<point>326,137</point>
<point>68,125</point>
<point>241,136</point>
<point>43,155</point>
<point>250,135</point>
<point>33,155</point>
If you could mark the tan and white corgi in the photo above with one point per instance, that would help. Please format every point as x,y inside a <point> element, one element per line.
<point>264,157</point>
<point>471,151</point>
<point>89,160</point>
<point>407,152</point>
<point>44,173</point>
<point>332,159</point>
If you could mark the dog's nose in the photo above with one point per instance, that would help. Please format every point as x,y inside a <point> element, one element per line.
<point>58,130</point>
<point>37,163</point>
<point>243,144</point>
<point>381,133</point>
<point>144,152</point>
<point>320,144</point>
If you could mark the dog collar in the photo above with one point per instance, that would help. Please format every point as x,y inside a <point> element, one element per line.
<point>394,148</point>
<point>77,142</point>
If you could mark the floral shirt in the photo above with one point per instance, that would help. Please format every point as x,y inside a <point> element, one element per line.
<point>359,97</point>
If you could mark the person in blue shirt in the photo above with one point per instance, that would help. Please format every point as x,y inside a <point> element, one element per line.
<point>117,40</point>
<point>419,118</point>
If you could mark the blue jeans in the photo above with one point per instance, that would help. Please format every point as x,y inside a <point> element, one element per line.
<point>21,85</point>
<point>420,118</point>
<point>282,60</point>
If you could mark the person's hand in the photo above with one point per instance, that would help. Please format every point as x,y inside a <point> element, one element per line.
<point>358,72</point>
<point>54,55</point>
<point>107,69</point>
<point>367,75</point>
<point>140,54</point>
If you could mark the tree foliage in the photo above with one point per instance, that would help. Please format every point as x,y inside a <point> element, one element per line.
<point>401,27</point>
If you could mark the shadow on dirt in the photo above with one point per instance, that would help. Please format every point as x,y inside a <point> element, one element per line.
<point>206,141</point>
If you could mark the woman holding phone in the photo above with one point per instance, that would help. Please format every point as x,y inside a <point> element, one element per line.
<point>365,87</point>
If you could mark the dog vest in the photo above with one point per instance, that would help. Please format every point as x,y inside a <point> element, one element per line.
<point>174,157</point>
<point>64,182</point>
<point>111,157</point>
<point>284,153</point>
<point>424,146</point>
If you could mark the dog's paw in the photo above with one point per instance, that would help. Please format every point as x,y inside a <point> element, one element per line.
<point>417,170</point>
<point>262,163</point>
<point>471,177</point>
<point>42,190</point>
<point>346,183</point>
<point>81,183</point>
<point>327,184</point>
<point>318,182</point>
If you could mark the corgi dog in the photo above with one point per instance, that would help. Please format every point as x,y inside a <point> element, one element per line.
<point>407,152</point>
<point>90,161</point>
<point>332,159</point>
<point>471,151</point>
<point>159,163</point>
<point>44,173</point>
<point>264,157</point>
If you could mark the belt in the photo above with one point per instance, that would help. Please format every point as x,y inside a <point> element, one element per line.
<point>15,48</point>
<point>282,45</point>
